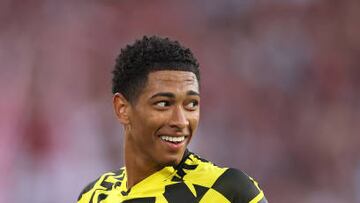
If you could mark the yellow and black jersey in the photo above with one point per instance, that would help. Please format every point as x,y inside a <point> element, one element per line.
<point>193,180</point>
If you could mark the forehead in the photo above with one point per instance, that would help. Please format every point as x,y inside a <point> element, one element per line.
<point>171,80</point>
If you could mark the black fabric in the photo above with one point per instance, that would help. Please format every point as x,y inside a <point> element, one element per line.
<point>179,193</point>
<point>200,191</point>
<point>236,186</point>
<point>101,197</point>
<point>141,200</point>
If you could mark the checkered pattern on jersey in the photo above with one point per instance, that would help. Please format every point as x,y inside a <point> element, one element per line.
<point>194,180</point>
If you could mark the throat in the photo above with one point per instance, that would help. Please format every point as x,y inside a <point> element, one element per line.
<point>138,172</point>
<point>137,167</point>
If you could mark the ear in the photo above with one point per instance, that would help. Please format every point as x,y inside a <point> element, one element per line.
<point>121,108</point>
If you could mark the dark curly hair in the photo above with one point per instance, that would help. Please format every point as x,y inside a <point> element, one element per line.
<point>149,54</point>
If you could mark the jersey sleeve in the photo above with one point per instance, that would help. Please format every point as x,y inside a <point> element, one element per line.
<point>238,187</point>
<point>85,194</point>
<point>103,184</point>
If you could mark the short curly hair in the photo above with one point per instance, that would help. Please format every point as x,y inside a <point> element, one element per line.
<point>149,54</point>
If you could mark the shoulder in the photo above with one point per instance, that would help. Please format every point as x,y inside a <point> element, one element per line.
<point>233,184</point>
<point>105,182</point>
<point>237,186</point>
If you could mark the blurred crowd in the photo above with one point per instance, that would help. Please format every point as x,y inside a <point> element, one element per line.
<point>280,92</point>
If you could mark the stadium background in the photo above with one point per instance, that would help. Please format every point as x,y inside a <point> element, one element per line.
<point>280,92</point>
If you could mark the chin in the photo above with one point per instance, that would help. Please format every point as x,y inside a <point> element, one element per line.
<point>171,161</point>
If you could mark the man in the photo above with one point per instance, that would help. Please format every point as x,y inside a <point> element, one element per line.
<point>157,100</point>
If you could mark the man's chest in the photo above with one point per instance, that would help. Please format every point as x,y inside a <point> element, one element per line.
<point>163,192</point>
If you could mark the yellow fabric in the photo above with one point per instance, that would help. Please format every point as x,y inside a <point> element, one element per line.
<point>195,180</point>
<point>213,196</point>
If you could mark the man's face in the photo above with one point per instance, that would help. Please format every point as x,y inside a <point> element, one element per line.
<point>164,117</point>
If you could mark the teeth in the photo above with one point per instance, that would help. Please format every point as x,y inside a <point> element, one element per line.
<point>173,139</point>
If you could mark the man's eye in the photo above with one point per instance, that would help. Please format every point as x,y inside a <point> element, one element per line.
<point>192,104</point>
<point>162,103</point>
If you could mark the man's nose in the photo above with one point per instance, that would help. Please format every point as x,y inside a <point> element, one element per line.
<point>178,118</point>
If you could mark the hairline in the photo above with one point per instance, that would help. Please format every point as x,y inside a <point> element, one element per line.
<point>133,100</point>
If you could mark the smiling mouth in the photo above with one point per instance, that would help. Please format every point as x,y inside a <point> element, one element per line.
<point>175,140</point>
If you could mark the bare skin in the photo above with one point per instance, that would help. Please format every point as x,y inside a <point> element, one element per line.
<point>159,124</point>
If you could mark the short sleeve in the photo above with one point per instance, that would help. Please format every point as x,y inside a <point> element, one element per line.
<point>238,187</point>
<point>82,197</point>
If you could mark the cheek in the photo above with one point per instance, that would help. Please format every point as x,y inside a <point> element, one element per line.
<point>153,121</point>
<point>194,121</point>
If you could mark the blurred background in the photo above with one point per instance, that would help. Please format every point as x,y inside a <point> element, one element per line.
<point>280,92</point>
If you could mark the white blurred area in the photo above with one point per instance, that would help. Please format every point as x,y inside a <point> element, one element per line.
<point>280,92</point>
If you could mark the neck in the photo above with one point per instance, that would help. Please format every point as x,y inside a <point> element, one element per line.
<point>137,167</point>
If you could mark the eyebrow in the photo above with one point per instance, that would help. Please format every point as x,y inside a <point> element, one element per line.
<point>192,93</point>
<point>172,95</point>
